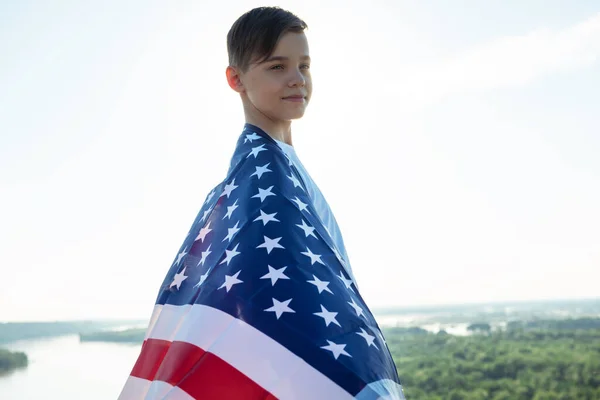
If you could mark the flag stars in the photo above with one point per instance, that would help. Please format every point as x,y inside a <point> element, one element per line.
<point>231,232</point>
<point>275,274</point>
<point>181,256</point>
<point>205,254</point>
<point>231,209</point>
<point>264,193</point>
<point>209,197</point>
<point>229,254</point>
<point>231,280</point>
<point>280,307</point>
<point>302,206</point>
<point>202,279</point>
<point>230,187</point>
<point>206,214</point>
<point>295,181</point>
<point>261,170</point>
<point>313,257</point>
<point>179,278</point>
<point>308,230</point>
<point>255,150</point>
<point>327,316</point>
<point>203,232</point>
<point>270,244</point>
<point>336,349</point>
<point>266,218</point>
<point>356,307</point>
<point>368,338</point>
<point>251,137</point>
<point>321,285</point>
<point>347,282</point>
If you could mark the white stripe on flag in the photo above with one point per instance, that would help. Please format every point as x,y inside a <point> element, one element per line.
<point>250,351</point>
<point>134,389</point>
<point>142,389</point>
<point>164,325</point>
<point>160,390</point>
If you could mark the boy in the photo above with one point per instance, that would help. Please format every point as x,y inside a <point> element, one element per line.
<point>260,302</point>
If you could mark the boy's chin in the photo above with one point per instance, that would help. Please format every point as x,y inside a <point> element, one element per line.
<point>295,115</point>
<point>292,117</point>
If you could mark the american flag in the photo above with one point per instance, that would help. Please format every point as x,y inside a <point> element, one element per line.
<point>258,303</point>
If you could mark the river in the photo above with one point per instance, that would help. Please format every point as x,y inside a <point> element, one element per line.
<point>66,369</point>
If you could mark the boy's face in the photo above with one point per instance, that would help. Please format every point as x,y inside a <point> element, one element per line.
<point>265,85</point>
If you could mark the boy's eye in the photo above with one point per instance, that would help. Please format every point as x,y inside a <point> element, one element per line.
<point>279,65</point>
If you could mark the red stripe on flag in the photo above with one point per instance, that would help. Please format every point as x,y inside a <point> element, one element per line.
<point>150,358</point>
<point>213,378</point>
<point>179,361</point>
<point>201,374</point>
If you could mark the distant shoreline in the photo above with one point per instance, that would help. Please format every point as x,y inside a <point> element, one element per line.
<point>14,331</point>
<point>134,335</point>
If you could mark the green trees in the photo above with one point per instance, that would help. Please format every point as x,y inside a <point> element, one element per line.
<point>546,360</point>
<point>11,360</point>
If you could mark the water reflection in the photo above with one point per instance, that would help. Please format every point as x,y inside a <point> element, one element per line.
<point>67,369</point>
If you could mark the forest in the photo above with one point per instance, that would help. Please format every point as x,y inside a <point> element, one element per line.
<point>11,360</point>
<point>535,360</point>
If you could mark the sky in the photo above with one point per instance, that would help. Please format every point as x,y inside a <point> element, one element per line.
<point>456,142</point>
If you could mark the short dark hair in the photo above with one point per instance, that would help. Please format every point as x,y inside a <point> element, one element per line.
<point>255,34</point>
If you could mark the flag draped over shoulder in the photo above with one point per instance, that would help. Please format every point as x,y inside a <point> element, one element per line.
<point>258,303</point>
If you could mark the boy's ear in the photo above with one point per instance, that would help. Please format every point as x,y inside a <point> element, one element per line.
<point>233,79</point>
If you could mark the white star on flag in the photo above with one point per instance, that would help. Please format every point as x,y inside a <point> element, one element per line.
<point>205,254</point>
<point>336,349</point>
<point>202,279</point>
<point>308,230</point>
<point>261,170</point>
<point>181,256</point>
<point>231,209</point>
<point>255,150</point>
<point>231,280</point>
<point>356,307</point>
<point>203,232</point>
<point>279,307</point>
<point>295,181</point>
<point>229,254</point>
<point>210,196</point>
<point>313,257</point>
<point>179,278</point>
<point>368,338</point>
<point>321,285</point>
<point>251,137</point>
<point>206,213</point>
<point>275,274</point>
<point>301,205</point>
<point>264,193</point>
<point>328,316</point>
<point>231,232</point>
<point>230,187</point>
<point>266,217</point>
<point>270,244</point>
<point>347,282</point>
